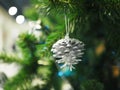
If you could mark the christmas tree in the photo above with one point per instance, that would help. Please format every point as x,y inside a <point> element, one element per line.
<point>96,23</point>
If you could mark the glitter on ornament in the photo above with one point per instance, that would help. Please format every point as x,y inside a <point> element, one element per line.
<point>67,52</point>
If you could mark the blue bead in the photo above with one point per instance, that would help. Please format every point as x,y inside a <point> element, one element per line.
<point>60,73</point>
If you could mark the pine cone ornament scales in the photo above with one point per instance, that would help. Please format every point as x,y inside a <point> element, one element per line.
<point>67,52</point>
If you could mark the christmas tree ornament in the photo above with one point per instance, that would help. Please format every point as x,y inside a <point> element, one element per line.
<point>67,51</point>
<point>35,28</point>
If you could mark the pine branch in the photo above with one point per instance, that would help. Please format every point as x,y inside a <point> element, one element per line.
<point>19,82</point>
<point>9,58</point>
<point>27,44</point>
<point>82,8</point>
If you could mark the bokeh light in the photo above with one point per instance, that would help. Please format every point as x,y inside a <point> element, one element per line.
<point>20,19</point>
<point>12,10</point>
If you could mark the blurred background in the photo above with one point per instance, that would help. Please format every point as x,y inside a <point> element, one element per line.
<point>11,18</point>
<point>28,29</point>
<point>12,23</point>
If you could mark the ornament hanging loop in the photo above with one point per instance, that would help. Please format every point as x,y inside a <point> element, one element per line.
<point>69,26</point>
<point>66,23</point>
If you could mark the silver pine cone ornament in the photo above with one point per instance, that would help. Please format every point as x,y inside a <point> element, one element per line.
<point>67,52</point>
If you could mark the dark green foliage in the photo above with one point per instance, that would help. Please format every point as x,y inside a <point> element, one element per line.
<point>105,9</point>
<point>91,85</point>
